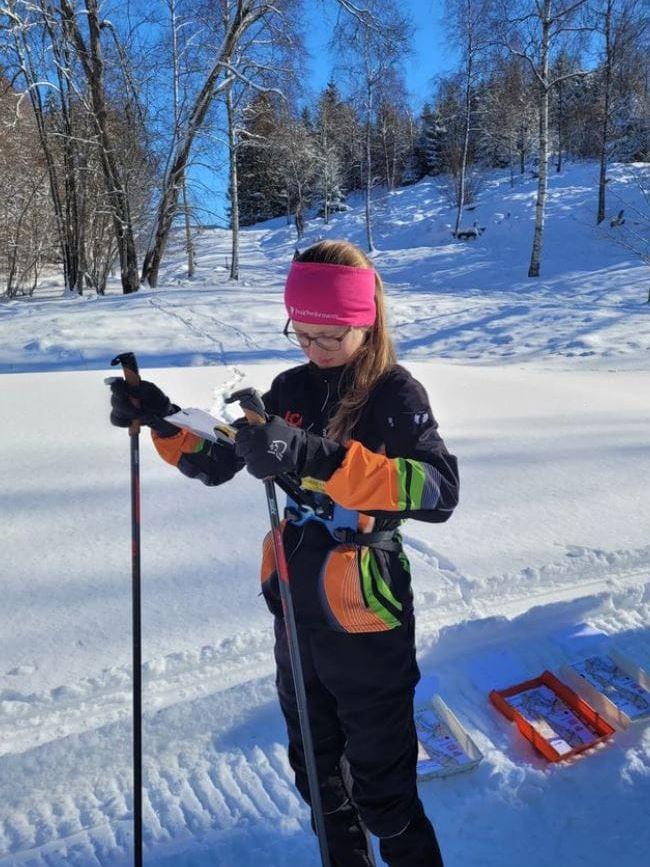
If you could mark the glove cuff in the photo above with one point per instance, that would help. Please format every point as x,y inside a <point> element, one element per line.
<point>163,428</point>
<point>322,457</point>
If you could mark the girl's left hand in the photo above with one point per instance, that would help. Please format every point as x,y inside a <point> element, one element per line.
<point>271,449</point>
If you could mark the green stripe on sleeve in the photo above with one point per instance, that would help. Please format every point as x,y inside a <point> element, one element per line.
<point>418,479</point>
<point>402,492</point>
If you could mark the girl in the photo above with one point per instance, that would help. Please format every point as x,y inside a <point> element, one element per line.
<point>354,431</point>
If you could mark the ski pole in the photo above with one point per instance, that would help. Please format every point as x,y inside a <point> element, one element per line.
<point>253,407</point>
<point>132,376</point>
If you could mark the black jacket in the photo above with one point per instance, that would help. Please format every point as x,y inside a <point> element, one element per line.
<point>395,466</point>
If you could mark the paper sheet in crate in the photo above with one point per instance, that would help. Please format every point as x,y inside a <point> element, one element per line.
<point>554,720</point>
<point>553,717</point>
<point>444,747</point>
<point>611,675</point>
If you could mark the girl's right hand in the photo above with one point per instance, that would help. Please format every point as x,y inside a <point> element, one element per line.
<point>153,406</point>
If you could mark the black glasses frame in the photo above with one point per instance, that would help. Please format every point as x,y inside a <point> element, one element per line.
<point>306,342</point>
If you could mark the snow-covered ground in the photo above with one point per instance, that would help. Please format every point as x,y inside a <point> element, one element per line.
<point>541,389</point>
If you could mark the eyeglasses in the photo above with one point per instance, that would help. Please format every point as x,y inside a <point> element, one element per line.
<point>330,344</point>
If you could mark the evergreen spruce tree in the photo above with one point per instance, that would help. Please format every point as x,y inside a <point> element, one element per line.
<point>260,180</point>
<point>434,131</point>
<point>331,130</point>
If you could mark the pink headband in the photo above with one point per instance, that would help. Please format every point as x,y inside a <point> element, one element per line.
<point>319,293</point>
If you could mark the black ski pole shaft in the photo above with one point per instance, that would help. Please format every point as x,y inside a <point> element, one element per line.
<point>132,376</point>
<point>296,670</point>
<point>253,408</point>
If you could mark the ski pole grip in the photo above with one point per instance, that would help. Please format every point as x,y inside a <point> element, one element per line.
<point>253,417</point>
<point>129,367</point>
<point>251,403</point>
<point>132,376</point>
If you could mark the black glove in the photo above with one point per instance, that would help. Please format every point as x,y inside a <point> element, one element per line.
<point>276,447</point>
<point>154,405</point>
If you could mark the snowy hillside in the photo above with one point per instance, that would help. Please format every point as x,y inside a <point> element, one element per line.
<point>540,388</point>
<point>468,301</point>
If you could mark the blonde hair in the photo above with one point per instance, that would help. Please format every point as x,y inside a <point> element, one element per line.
<point>375,357</point>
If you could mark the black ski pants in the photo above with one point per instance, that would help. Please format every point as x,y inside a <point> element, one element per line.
<point>360,690</point>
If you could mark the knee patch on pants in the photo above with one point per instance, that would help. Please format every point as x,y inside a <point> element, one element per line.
<point>389,822</point>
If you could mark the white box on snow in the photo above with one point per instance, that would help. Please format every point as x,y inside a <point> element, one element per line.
<point>444,746</point>
<point>615,686</point>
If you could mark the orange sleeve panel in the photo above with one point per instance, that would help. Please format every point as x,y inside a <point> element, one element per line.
<point>171,449</point>
<point>364,481</point>
<point>369,482</point>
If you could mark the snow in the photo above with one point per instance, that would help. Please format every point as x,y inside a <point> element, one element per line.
<point>540,389</point>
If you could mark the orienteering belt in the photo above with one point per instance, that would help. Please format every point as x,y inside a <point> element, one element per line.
<point>340,523</point>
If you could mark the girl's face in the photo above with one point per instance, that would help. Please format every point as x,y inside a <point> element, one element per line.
<point>333,353</point>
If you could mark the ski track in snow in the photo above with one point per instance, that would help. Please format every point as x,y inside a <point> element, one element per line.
<point>216,775</point>
<point>196,323</point>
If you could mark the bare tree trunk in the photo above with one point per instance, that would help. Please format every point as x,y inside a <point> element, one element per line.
<point>326,198</point>
<point>542,184</point>
<point>560,126</point>
<point>384,144</point>
<point>604,135</point>
<point>189,248</point>
<point>234,190</point>
<point>74,230</point>
<point>468,113</point>
<point>325,150</point>
<point>369,238</point>
<point>189,245</point>
<point>31,78</point>
<point>93,64</point>
<point>244,18</point>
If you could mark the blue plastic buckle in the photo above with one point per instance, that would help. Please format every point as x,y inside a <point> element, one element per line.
<point>333,517</point>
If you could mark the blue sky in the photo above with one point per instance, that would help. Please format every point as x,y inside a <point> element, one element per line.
<point>431,56</point>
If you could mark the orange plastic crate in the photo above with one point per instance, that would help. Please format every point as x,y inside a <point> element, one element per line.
<point>600,728</point>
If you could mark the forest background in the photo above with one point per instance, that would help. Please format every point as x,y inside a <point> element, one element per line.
<point>113,116</point>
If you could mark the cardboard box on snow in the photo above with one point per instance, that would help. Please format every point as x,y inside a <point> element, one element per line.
<point>445,747</point>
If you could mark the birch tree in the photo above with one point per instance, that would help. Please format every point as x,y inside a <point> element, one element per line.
<point>394,129</point>
<point>467,23</point>
<point>620,24</point>
<point>507,107</point>
<point>534,33</point>
<point>89,49</point>
<point>243,24</point>
<point>28,58</point>
<point>178,47</point>
<point>372,45</point>
<point>26,224</point>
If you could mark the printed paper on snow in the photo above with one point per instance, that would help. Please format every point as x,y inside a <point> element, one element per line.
<point>552,718</point>
<point>621,689</point>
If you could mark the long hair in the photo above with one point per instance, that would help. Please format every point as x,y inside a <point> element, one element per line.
<point>374,358</point>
